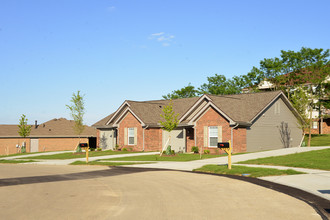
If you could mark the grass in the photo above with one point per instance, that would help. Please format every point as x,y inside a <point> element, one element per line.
<point>16,161</point>
<point>104,163</point>
<point>177,157</point>
<point>318,159</point>
<point>71,155</point>
<point>318,140</point>
<point>21,154</point>
<point>239,170</point>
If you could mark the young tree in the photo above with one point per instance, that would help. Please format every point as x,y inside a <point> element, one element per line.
<point>170,121</point>
<point>77,111</point>
<point>24,130</point>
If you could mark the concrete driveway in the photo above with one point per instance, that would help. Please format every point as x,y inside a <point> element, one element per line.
<point>85,192</point>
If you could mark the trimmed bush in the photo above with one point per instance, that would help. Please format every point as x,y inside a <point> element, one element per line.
<point>195,149</point>
<point>206,151</point>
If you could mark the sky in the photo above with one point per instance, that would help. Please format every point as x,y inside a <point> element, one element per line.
<point>117,50</point>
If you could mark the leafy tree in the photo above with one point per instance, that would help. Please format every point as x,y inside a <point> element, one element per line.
<point>77,111</point>
<point>186,92</point>
<point>24,129</point>
<point>170,121</point>
<point>220,85</point>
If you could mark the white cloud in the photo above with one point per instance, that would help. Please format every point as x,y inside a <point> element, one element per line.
<point>111,8</point>
<point>166,39</point>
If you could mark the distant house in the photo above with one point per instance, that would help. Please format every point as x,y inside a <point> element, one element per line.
<point>253,122</point>
<point>53,135</point>
<point>320,125</point>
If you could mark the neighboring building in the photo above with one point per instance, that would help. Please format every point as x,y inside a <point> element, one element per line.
<point>320,125</point>
<point>53,135</point>
<point>253,122</point>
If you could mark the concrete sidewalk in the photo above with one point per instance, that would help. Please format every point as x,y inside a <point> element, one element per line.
<point>69,161</point>
<point>191,165</point>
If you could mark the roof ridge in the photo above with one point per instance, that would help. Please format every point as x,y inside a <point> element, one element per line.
<point>276,91</point>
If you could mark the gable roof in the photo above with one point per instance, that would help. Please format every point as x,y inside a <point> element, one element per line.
<point>239,108</point>
<point>54,128</point>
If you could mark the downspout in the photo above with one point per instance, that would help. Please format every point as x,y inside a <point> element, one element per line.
<point>143,136</point>
<point>232,135</point>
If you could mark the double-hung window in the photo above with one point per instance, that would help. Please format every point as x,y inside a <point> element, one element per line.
<point>213,136</point>
<point>130,136</point>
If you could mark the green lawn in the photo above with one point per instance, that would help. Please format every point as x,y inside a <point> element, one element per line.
<point>319,159</point>
<point>318,140</point>
<point>16,161</point>
<point>20,154</point>
<point>240,170</point>
<point>177,157</point>
<point>71,155</point>
<point>104,163</point>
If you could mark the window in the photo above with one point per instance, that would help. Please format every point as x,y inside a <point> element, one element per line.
<point>213,136</point>
<point>130,136</point>
<point>315,124</point>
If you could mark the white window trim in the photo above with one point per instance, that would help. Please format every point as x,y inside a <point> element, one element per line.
<point>209,130</point>
<point>128,136</point>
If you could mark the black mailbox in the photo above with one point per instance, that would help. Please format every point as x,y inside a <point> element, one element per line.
<point>83,145</point>
<point>223,145</point>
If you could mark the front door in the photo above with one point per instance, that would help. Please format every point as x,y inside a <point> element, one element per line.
<point>34,145</point>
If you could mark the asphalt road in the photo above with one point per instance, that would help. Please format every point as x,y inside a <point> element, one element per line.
<point>91,192</point>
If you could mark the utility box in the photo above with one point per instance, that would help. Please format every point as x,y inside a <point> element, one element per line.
<point>223,145</point>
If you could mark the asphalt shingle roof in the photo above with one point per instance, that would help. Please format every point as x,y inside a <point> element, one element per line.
<point>54,128</point>
<point>239,107</point>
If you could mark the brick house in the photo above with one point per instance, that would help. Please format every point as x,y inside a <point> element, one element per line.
<point>253,122</point>
<point>53,135</point>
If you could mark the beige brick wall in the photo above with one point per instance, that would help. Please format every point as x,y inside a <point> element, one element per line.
<point>8,145</point>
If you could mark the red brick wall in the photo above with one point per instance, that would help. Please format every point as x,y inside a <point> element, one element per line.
<point>153,139</point>
<point>190,133</point>
<point>130,121</point>
<point>213,118</point>
<point>325,127</point>
<point>239,139</point>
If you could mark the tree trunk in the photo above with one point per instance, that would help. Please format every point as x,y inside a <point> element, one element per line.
<point>310,127</point>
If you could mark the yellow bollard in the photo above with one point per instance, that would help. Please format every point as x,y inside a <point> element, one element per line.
<point>87,154</point>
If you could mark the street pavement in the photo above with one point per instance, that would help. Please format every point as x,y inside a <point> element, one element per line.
<point>30,191</point>
<point>314,181</point>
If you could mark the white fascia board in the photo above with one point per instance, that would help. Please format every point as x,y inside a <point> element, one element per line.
<point>208,105</point>
<point>120,108</point>
<point>194,106</point>
<point>116,123</point>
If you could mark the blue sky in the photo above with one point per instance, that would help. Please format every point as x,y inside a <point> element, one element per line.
<point>116,50</point>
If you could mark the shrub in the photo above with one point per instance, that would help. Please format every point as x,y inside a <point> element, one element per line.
<point>99,149</point>
<point>130,149</point>
<point>92,149</point>
<point>206,151</point>
<point>168,150</point>
<point>172,152</point>
<point>124,149</point>
<point>117,147</point>
<point>195,149</point>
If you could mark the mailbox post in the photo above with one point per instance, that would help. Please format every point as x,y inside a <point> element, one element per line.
<point>85,147</point>
<point>226,146</point>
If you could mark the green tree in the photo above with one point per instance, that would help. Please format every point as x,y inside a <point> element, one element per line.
<point>220,85</point>
<point>77,111</point>
<point>170,121</point>
<point>186,92</point>
<point>24,130</point>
